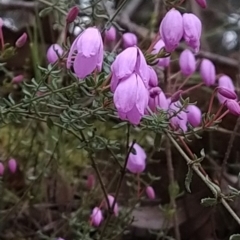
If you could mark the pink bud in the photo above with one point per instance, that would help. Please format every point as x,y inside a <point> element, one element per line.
<point>192,27</point>
<point>194,115</point>
<point>21,41</point>
<point>229,94</point>
<point>150,192</point>
<point>208,72</point>
<point>72,14</point>
<point>171,29</point>
<point>90,181</point>
<point>111,34</point>
<point>53,52</point>
<point>1,168</point>
<point>111,201</point>
<point>18,79</point>
<point>12,165</point>
<point>202,3</point>
<point>153,80</point>
<point>129,40</point>
<point>187,62</point>
<point>233,107</point>
<point>96,217</point>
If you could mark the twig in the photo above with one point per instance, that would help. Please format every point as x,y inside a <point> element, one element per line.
<point>171,183</point>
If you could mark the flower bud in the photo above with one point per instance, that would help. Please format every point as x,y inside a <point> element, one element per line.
<point>110,34</point>
<point>208,72</point>
<point>12,165</point>
<point>226,82</point>
<point>202,3</point>
<point>129,40</point>
<point>227,93</point>
<point>194,115</point>
<point>153,80</point>
<point>18,79</point>
<point>111,201</point>
<point>187,62</point>
<point>21,41</point>
<point>72,14</point>
<point>96,217</point>
<point>192,27</point>
<point>171,29</point>
<point>233,107</point>
<point>150,192</point>
<point>1,169</point>
<point>53,52</point>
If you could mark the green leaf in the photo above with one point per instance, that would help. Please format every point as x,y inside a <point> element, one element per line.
<point>45,12</point>
<point>119,125</point>
<point>209,202</point>
<point>173,189</point>
<point>235,237</point>
<point>188,179</point>
<point>50,123</point>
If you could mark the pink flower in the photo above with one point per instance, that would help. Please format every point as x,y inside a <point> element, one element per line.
<point>228,94</point>
<point>137,161</point>
<point>72,14</point>
<point>162,62</point>
<point>202,3</point>
<point>187,62</point>
<point>171,29</point>
<point>192,27</point>
<point>208,72</point>
<point>129,40</point>
<point>89,53</point>
<point>21,40</point>
<point>1,169</point>
<point>233,107</point>
<point>194,115</point>
<point>225,82</point>
<point>54,52</point>
<point>110,34</point>
<point>96,217</point>
<point>150,192</point>
<point>111,201</point>
<point>157,99</point>
<point>18,79</point>
<point>12,165</point>
<point>153,79</point>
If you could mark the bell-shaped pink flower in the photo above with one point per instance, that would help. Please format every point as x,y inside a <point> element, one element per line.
<point>171,29</point>
<point>157,99</point>
<point>54,52</point>
<point>72,14</point>
<point>194,115</point>
<point>178,118</point>
<point>225,82</point>
<point>111,201</point>
<point>86,53</point>
<point>12,165</point>
<point>2,168</point>
<point>208,72</point>
<point>131,98</point>
<point>110,34</point>
<point>192,30</point>
<point>233,107</point>
<point>137,161</point>
<point>153,79</point>
<point>187,62</point>
<point>21,40</point>
<point>202,3</point>
<point>129,61</point>
<point>129,40</point>
<point>96,217</point>
<point>150,192</point>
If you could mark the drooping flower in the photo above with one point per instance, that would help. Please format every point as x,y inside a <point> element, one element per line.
<point>157,99</point>
<point>96,217</point>
<point>150,192</point>
<point>178,118</point>
<point>111,201</point>
<point>171,29</point>
<point>54,52</point>
<point>192,27</point>
<point>137,161</point>
<point>233,107</point>
<point>225,82</point>
<point>162,62</point>
<point>153,79</point>
<point>110,34</point>
<point>187,62</point>
<point>129,40</point>
<point>86,53</point>
<point>202,3</point>
<point>208,72</point>
<point>194,115</point>
<point>18,79</point>
<point>1,169</point>
<point>72,14</point>
<point>21,40</point>
<point>12,165</point>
